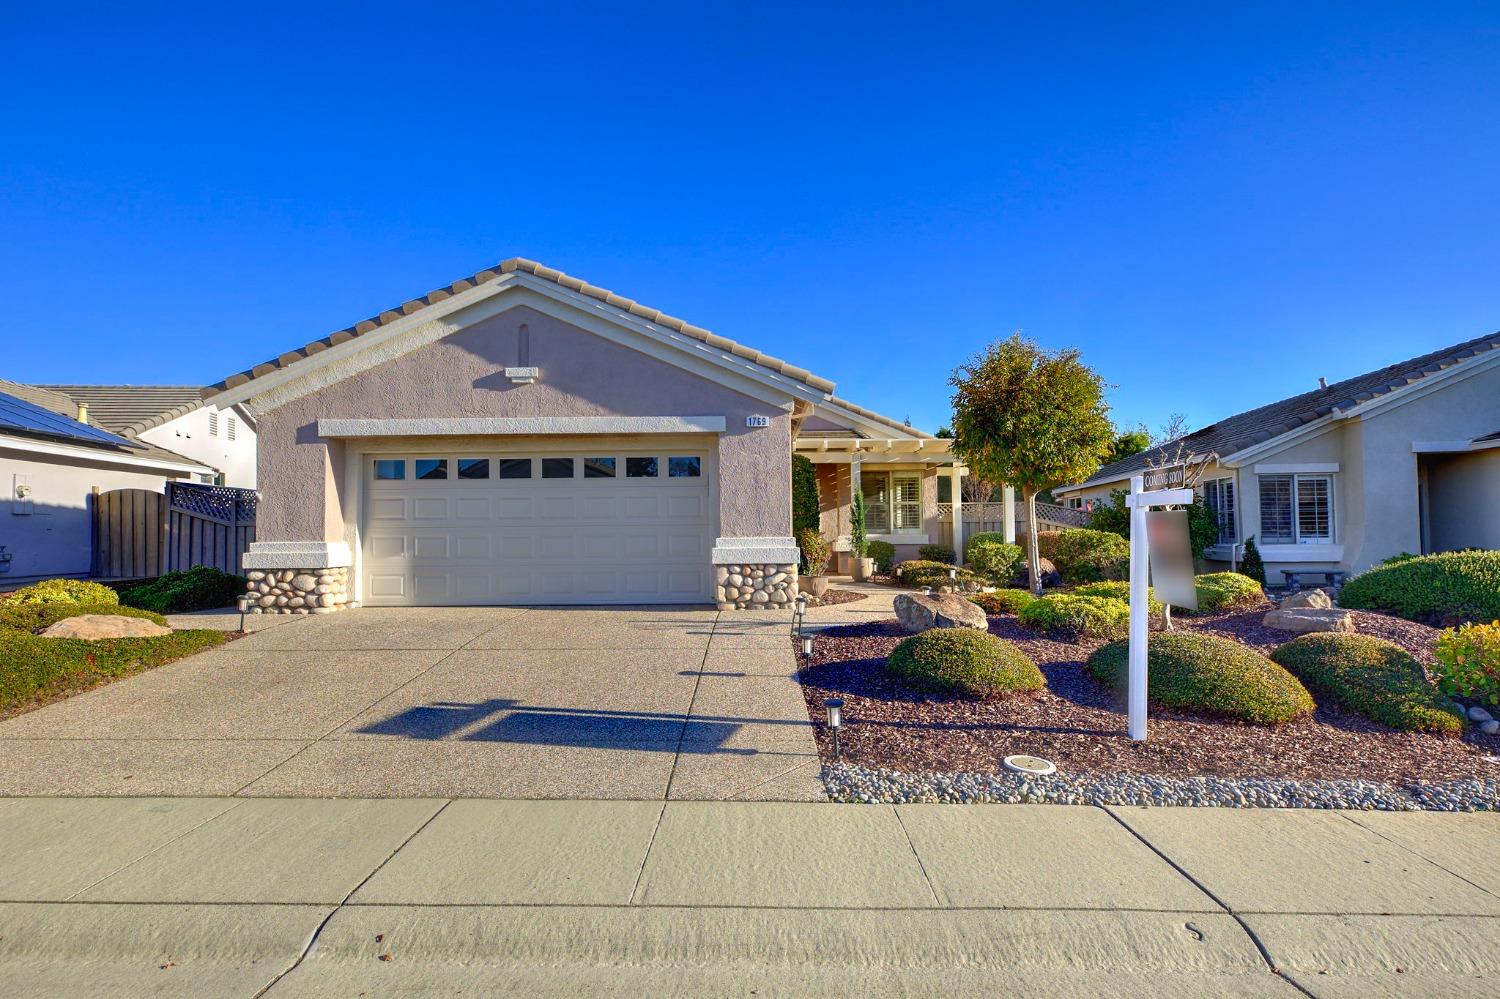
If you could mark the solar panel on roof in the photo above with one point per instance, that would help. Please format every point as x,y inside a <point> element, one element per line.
<point>18,414</point>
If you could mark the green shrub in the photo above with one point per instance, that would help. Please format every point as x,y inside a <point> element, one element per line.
<point>804,495</point>
<point>1003,601</point>
<point>1068,616</point>
<point>62,591</point>
<point>966,661</point>
<point>1439,589</point>
<point>1372,677</point>
<point>921,572</point>
<point>1113,516</point>
<point>1252,566</point>
<point>1118,589</point>
<point>1469,662</point>
<point>200,588</point>
<point>1197,672</point>
<point>859,542</point>
<point>938,553</point>
<point>31,665</point>
<point>980,539</point>
<point>884,554</point>
<point>1399,557</point>
<point>1220,591</point>
<point>997,560</point>
<point>35,617</point>
<point>815,551</point>
<point>1086,556</point>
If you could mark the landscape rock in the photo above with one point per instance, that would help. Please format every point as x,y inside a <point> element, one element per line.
<point>1312,599</point>
<point>96,626</point>
<point>1303,620</point>
<point>1491,727</point>
<point>1478,714</point>
<point>918,612</point>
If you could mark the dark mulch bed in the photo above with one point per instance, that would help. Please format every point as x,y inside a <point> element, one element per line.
<point>831,596</point>
<point>1079,723</point>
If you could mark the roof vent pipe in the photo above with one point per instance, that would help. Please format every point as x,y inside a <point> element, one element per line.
<point>1322,382</point>
<point>83,412</point>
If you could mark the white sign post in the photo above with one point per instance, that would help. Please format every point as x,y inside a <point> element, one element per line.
<point>1139,502</point>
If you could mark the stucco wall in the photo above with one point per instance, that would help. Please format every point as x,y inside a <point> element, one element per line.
<point>188,436</point>
<point>1463,495</point>
<point>463,376</point>
<point>54,539</point>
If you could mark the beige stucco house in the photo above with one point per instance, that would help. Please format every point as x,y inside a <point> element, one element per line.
<point>524,437</point>
<point>1402,459</point>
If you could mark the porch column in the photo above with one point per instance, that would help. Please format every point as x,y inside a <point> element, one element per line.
<point>1008,494</point>
<point>957,493</point>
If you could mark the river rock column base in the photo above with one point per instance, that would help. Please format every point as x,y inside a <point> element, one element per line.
<point>762,586</point>
<point>299,591</point>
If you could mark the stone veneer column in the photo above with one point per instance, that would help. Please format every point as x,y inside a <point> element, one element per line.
<point>299,577</point>
<point>755,573</point>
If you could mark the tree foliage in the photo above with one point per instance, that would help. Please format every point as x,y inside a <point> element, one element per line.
<point>1114,516</point>
<point>804,495</point>
<point>1128,443</point>
<point>1032,418</point>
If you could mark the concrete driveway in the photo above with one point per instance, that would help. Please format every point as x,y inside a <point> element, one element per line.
<point>640,703</point>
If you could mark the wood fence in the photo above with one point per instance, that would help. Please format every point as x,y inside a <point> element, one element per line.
<point>139,534</point>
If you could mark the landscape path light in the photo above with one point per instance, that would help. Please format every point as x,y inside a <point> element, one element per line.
<point>807,649</point>
<point>835,706</point>
<point>243,603</point>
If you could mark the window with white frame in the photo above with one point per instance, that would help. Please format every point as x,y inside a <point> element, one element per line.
<point>1218,496</point>
<point>213,424</point>
<point>893,502</point>
<point>1296,509</point>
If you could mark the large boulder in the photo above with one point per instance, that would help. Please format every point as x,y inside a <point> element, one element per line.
<point>97,626</point>
<point>1303,620</point>
<point>919,612</point>
<point>1310,599</point>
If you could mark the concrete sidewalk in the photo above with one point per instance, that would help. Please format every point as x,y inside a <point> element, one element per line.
<point>308,897</point>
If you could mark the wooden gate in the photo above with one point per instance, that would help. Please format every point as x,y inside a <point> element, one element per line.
<point>139,534</point>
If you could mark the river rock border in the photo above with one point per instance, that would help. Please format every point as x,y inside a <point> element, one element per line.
<point>762,586</point>
<point>299,591</point>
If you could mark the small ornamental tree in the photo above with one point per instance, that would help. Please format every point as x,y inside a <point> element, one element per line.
<point>1251,564</point>
<point>859,545</point>
<point>1031,418</point>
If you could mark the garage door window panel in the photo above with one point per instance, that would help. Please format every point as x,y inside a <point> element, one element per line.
<point>473,468</point>
<point>598,468</point>
<point>429,469</point>
<point>389,470</point>
<point>684,467</point>
<point>515,468</point>
<point>640,468</point>
<point>557,468</point>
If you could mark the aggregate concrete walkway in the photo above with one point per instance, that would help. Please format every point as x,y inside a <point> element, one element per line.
<point>640,703</point>
<point>298,897</point>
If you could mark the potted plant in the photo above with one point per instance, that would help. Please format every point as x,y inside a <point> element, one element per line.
<point>863,567</point>
<point>815,558</point>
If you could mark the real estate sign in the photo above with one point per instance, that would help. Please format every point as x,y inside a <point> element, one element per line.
<point>1171,558</point>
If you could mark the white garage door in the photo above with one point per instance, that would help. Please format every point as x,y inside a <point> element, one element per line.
<point>560,528</point>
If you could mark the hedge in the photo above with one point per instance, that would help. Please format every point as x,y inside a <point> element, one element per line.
<point>923,572</point>
<point>1003,601</point>
<point>1220,591</point>
<point>1119,589</point>
<point>61,591</point>
<point>1448,588</point>
<point>199,588</point>
<point>884,554</point>
<point>1001,562</point>
<point>966,661</point>
<point>937,553</point>
<point>1085,556</point>
<point>1065,615</point>
<point>1198,672</point>
<point>1371,677</point>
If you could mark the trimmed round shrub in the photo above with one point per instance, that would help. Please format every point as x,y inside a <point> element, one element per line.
<point>922,572</point>
<point>965,661</point>
<point>997,560</point>
<point>1193,671</point>
<point>1065,615</point>
<point>1003,601</point>
<point>884,554</point>
<point>1118,589</point>
<point>1468,662</point>
<point>200,588</point>
<point>62,591</point>
<point>1371,677</point>
<point>1448,588</point>
<point>1221,591</point>
<point>1086,556</point>
<point>981,538</point>
<point>35,617</point>
<point>937,553</point>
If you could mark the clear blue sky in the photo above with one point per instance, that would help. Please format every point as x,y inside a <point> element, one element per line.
<point>1216,208</point>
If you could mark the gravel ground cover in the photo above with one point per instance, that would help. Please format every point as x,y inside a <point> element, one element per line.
<point>832,596</point>
<point>937,747</point>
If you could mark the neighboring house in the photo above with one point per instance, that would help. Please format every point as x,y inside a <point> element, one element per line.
<point>174,417</point>
<point>1403,459</point>
<point>524,437</point>
<point>51,463</point>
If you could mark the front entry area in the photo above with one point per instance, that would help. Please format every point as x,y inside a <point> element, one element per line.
<point>568,525</point>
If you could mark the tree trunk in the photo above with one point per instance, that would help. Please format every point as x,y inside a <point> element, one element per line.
<point>1033,551</point>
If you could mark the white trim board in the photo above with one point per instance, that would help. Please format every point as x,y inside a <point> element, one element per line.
<point>1298,467</point>
<point>464,426</point>
<point>29,446</point>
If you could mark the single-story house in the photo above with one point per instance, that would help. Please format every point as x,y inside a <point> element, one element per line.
<point>1402,459</point>
<point>53,458</point>
<point>174,417</point>
<point>524,437</point>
